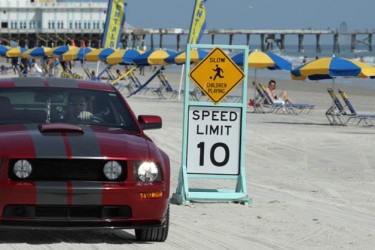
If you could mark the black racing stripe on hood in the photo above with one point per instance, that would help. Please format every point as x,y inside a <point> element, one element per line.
<point>86,145</point>
<point>30,82</point>
<point>47,145</point>
<point>62,82</point>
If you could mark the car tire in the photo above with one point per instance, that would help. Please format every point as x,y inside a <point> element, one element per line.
<point>159,234</point>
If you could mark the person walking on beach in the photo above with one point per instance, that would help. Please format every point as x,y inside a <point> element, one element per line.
<point>218,71</point>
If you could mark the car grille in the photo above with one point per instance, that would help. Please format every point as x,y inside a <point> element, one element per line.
<point>65,212</point>
<point>67,170</point>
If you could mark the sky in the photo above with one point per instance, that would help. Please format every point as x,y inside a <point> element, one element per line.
<point>255,14</point>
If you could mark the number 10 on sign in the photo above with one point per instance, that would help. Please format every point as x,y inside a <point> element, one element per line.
<point>214,140</point>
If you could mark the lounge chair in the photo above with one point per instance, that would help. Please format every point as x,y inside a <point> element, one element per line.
<point>261,104</point>
<point>196,94</point>
<point>353,115</point>
<point>165,87</point>
<point>336,112</point>
<point>4,70</point>
<point>288,108</point>
<point>143,87</point>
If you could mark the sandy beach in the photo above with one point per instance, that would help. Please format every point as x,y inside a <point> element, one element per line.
<point>312,184</point>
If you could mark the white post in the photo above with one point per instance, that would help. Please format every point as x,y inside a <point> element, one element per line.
<point>181,79</point>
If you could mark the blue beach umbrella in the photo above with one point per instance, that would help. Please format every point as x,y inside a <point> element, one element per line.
<point>125,56</point>
<point>38,52</point>
<point>196,55</point>
<point>99,54</point>
<point>76,54</point>
<point>260,60</point>
<point>3,50</point>
<point>332,67</point>
<point>153,57</point>
<point>59,51</point>
<point>15,52</point>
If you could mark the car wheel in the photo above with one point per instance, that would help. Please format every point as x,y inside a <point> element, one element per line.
<point>154,233</point>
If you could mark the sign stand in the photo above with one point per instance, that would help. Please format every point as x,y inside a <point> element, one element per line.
<point>214,132</point>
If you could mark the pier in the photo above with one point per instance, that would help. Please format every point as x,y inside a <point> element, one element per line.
<point>154,38</point>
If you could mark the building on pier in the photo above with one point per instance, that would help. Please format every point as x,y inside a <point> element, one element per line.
<point>56,22</point>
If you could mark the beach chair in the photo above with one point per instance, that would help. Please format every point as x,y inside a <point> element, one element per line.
<point>336,112</point>
<point>195,94</point>
<point>260,104</point>
<point>287,108</point>
<point>4,70</point>
<point>133,78</point>
<point>144,86</point>
<point>88,73</point>
<point>119,82</point>
<point>233,98</point>
<point>110,75</point>
<point>166,87</point>
<point>353,115</point>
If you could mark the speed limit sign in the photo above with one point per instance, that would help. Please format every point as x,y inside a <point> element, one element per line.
<point>214,140</point>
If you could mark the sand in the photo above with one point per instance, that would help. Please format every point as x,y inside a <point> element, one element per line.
<point>312,184</point>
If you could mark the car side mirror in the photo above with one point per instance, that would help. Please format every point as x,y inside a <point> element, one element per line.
<point>150,121</point>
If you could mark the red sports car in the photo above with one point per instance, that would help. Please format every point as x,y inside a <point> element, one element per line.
<point>74,156</point>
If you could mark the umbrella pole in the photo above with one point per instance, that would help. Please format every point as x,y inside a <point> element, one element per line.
<point>97,69</point>
<point>181,78</point>
<point>255,80</point>
<point>334,112</point>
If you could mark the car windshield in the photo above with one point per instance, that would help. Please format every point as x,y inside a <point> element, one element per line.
<point>68,105</point>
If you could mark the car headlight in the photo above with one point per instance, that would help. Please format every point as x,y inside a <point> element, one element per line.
<point>147,171</point>
<point>112,170</point>
<point>22,169</point>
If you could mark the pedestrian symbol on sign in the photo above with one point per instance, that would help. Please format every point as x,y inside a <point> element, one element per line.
<point>218,71</point>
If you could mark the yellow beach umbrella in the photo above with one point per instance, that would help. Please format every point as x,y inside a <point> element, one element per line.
<point>122,56</point>
<point>26,54</point>
<point>3,50</point>
<point>77,53</point>
<point>179,57</point>
<point>332,67</point>
<point>37,52</point>
<point>99,54</point>
<point>15,52</point>
<point>153,57</point>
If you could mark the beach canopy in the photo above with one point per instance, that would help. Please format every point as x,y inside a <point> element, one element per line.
<point>77,53</point>
<point>37,52</point>
<point>196,55</point>
<point>153,57</point>
<point>59,51</point>
<point>261,60</point>
<point>3,50</point>
<point>15,52</point>
<point>332,67</point>
<point>99,54</point>
<point>124,56</point>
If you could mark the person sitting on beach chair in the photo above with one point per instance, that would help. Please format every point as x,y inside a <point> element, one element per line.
<point>285,107</point>
<point>282,97</point>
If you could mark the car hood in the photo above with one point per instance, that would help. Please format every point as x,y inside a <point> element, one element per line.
<point>66,141</point>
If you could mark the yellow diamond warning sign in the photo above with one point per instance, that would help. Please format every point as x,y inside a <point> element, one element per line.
<point>217,75</point>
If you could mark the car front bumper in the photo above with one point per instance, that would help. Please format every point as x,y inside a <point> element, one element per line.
<point>80,205</point>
